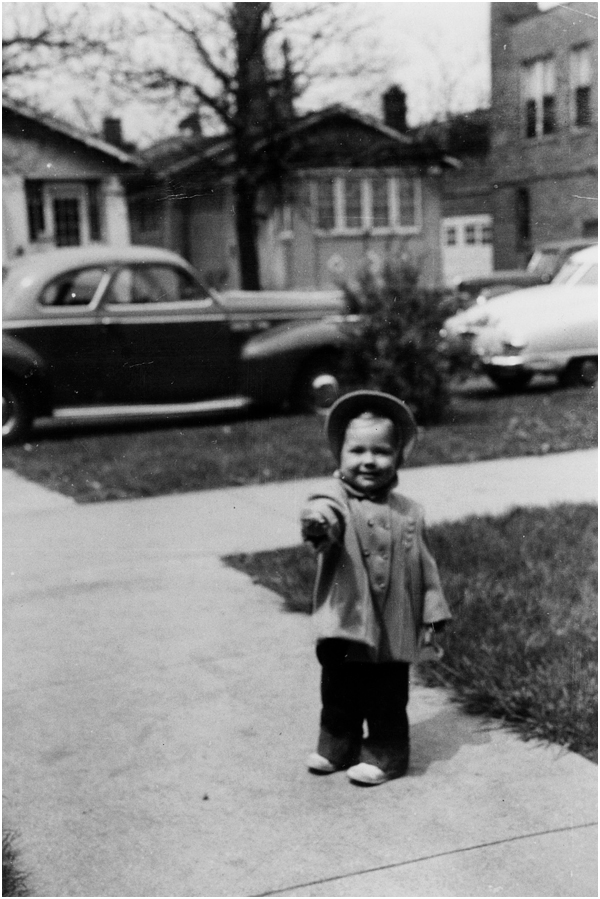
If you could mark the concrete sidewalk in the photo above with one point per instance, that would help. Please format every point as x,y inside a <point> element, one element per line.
<point>158,708</point>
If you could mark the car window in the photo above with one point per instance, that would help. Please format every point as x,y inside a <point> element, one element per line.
<point>543,262</point>
<point>574,272</point>
<point>591,276</point>
<point>155,284</point>
<point>76,288</point>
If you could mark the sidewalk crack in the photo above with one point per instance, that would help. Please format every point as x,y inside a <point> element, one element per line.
<point>424,858</point>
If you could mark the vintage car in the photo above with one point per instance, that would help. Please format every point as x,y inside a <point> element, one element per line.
<point>105,331</point>
<point>546,260</point>
<point>552,329</point>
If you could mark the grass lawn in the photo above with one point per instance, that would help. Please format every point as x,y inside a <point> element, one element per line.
<point>126,461</point>
<point>523,592</point>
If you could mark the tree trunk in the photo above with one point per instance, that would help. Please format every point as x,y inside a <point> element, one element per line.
<point>245,226</point>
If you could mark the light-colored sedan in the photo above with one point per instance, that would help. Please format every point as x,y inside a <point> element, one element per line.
<point>551,329</point>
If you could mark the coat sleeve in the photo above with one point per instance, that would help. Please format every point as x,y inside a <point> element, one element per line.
<point>323,513</point>
<point>435,607</point>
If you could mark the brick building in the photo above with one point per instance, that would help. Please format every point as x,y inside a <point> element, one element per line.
<point>543,153</point>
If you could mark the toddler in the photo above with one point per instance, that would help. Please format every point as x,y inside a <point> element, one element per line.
<point>377,589</point>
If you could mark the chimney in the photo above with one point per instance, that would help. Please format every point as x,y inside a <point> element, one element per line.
<point>191,125</point>
<point>394,108</point>
<point>111,131</point>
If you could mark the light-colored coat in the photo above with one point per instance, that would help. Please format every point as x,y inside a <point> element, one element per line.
<point>377,581</point>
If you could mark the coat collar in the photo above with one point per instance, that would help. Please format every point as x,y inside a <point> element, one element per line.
<point>376,496</point>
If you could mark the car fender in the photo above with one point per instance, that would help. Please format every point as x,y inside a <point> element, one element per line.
<point>24,364</point>
<point>272,360</point>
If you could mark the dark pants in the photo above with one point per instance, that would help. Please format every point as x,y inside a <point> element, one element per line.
<point>353,692</point>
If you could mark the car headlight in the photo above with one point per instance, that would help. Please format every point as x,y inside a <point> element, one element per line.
<point>513,345</point>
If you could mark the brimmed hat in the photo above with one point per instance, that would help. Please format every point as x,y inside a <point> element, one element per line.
<point>384,404</point>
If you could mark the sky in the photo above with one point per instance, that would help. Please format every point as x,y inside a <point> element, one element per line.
<point>437,51</point>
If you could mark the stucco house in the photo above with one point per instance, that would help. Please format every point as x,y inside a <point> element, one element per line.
<point>353,186</point>
<point>60,186</point>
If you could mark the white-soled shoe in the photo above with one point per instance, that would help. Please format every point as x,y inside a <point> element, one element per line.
<point>318,764</point>
<point>367,775</point>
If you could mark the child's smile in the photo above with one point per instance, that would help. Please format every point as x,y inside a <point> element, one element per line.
<point>369,455</point>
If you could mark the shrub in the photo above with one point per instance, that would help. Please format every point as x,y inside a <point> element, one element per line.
<point>13,880</point>
<point>395,346</point>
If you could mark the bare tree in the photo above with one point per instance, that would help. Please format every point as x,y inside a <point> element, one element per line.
<point>237,65</point>
<point>39,37</point>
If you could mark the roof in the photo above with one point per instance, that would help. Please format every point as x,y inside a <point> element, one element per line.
<point>60,127</point>
<point>177,155</point>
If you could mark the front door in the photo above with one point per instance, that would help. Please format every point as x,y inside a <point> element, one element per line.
<point>68,213</point>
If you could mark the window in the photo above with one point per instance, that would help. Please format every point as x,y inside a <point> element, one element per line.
<point>407,202</point>
<point>353,209</point>
<point>356,205</point>
<point>381,203</point>
<point>523,216</point>
<point>451,236</point>
<point>487,234</point>
<point>581,87</point>
<point>470,234</point>
<point>325,205</point>
<point>538,95</point>
<point>154,284</point>
<point>73,289</point>
<point>35,209</point>
<point>94,210</point>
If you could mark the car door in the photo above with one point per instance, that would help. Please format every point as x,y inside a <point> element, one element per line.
<point>168,339</point>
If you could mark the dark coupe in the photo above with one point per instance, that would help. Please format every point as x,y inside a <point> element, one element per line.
<point>129,331</point>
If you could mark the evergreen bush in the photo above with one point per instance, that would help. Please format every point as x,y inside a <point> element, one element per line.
<point>395,344</point>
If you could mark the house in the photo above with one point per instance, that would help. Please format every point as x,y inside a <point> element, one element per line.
<point>544,146</point>
<point>528,165</point>
<point>353,186</point>
<point>467,209</point>
<point>60,186</point>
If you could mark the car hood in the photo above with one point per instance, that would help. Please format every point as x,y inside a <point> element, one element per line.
<point>283,303</point>
<point>519,305</point>
<point>506,276</point>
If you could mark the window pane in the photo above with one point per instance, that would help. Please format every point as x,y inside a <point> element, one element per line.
<point>470,234</point>
<point>530,118</point>
<point>487,234</point>
<point>94,210</point>
<point>591,276</point>
<point>407,202</point>
<point>381,203</point>
<point>451,237</point>
<point>523,216</point>
<point>73,289</point>
<point>325,205</point>
<point>353,203</point>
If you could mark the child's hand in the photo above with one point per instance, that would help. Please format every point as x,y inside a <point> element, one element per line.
<point>315,530</point>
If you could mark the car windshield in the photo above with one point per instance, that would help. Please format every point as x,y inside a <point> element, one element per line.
<point>543,262</point>
<point>577,272</point>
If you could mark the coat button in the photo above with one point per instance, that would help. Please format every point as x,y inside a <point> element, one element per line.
<point>370,522</point>
<point>366,552</point>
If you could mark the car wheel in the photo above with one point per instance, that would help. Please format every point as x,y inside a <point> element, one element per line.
<point>510,382</point>
<point>317,385</point>
<point>580,372</point>
<point>16,412</point>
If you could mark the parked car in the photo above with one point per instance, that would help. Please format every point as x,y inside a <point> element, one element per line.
<point>546,260</point>
<point>551,329</point>
<point>132,330</point>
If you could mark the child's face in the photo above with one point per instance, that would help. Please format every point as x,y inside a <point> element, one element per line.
<point>369,456</point>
